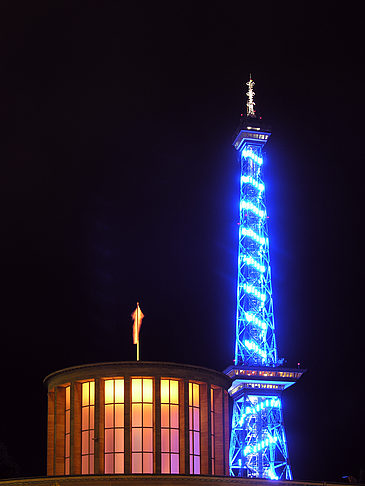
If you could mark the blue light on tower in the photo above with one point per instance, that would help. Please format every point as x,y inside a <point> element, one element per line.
<point>258,446</point>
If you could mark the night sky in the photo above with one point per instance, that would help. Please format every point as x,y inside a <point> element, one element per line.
<point>119,184</point>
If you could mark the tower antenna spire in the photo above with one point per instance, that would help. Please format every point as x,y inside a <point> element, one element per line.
<point>250,102</point>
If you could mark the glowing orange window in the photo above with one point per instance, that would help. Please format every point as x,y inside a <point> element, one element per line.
<point>169,426</point>
<point>87,427</point>
<point>194,428</point>
<point>114,427</point>
<point>67,429</point>
<point>212,427</point>
<point>142,425</point>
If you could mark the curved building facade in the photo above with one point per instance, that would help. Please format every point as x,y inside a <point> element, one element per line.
<point>137,418</point>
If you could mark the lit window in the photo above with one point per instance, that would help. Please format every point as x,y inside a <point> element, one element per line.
<point>142,425</point>
<point>194,428</point>
<point>67,429</point>
<point>169,427</point>
<point>87,427</point>
<point>212,427</point>
<point>114,426</point>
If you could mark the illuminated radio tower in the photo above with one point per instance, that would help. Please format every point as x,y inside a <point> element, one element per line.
<point>258,445</point>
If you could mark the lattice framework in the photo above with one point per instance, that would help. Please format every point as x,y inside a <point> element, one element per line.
<point>258,445</point>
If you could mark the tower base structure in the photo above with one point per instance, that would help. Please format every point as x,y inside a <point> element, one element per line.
<point>258,446</point>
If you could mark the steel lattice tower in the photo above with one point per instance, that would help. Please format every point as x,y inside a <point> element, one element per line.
<point>258,445</point>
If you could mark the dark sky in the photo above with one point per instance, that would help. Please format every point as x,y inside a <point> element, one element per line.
<point>119,183</point>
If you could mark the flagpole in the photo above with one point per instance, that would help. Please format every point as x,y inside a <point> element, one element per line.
<point>137,317</point>
<point>138,333</point>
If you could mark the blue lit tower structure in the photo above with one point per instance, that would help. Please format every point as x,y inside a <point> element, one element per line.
<point>258,445</point>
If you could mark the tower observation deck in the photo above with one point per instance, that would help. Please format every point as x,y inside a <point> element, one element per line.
<point>258,446</point>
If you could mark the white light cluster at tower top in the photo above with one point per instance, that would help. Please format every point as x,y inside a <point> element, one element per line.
<point>250,102</point>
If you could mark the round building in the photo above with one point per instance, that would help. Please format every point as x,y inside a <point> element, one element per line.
<point>137,418</point>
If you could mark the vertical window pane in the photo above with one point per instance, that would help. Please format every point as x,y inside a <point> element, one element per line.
<point>175,464</point>
<point>85,418</point>
<point>119,391</point>
<point>194,428</point>
<point>136,390</point>
<point>67,447</point>
<point>170,424</point>
<point>119,440</point>
<point>91,441</point>
<point>67,397</point>
<point>147,390</point>
<point>119,463</point>
<point>196,464</point>
<point>148,463</point>
<point>147,415</point>
<point>91,464</point>
<point>195,395</point>
<point>174,411</point>
<point>109,467</point>
<point>196,425</point>
<point>137,462</point>
<point>212,428</point>
<point>85,442</point>
<point>165,391</point>
<point>165,422</point>
<point>174,440</point>
<point>85,394</point>
<point>87,426</point>
<point>147,440</point>
<point>165,440</point>
<point>142,424</point>
<point>109,391</point>
<point>85,465</point>
<point>137,439</point>
<point>165,463</point>
<point>136,415</point>
<point>92,393</point>
<point>174,391</point>
<point>92,415</point>
<point>196,443</point>
<point>109,440</point>
<point>67,422</point>
<point>109,416</point>
<point>119,415</point>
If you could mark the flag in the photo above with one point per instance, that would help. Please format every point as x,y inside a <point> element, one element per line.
<point>137,317</point>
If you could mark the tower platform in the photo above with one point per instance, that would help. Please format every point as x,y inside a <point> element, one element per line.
<point>261,379</point>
